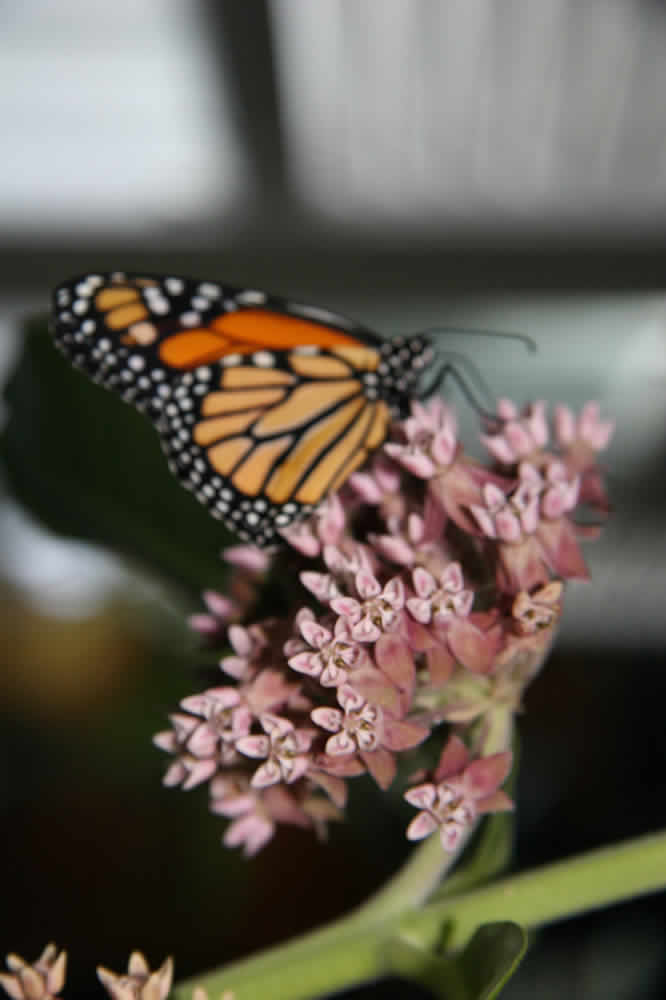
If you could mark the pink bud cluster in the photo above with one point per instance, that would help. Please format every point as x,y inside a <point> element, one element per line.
<point>430,589</point>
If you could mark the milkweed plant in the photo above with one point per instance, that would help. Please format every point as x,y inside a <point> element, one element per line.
<point>428,593</point>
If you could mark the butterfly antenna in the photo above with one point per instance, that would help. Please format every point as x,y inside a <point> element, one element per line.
<point>470,382</point>
<point>522,338</point>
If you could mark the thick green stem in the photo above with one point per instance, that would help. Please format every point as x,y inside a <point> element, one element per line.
<point>353,950</point>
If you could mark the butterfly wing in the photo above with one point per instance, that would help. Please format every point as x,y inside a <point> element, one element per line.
<point>263,445</point>
<point>264,406</point>
<point>133,332</point>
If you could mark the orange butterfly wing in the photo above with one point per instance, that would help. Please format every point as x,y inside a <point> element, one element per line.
<point>263,406</point>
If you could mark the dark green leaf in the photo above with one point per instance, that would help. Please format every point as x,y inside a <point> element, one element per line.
<point>477,973</point>
<point>91,467</point>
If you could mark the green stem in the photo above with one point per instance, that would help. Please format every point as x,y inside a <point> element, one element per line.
<point>353,950</point>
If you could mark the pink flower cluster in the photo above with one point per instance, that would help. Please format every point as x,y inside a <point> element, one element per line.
<point>427,592</point>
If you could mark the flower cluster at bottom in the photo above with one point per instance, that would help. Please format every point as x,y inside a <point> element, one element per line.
<point>427,593</point>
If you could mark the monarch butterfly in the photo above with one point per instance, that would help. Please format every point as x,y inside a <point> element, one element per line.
<point>264,406</point>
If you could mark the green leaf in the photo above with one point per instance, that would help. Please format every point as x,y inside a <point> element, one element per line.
<point>491,958</point>
<point>91,467</point>
<point>479,972</point>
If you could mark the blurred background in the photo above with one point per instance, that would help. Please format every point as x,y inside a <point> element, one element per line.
<point>458,163</point>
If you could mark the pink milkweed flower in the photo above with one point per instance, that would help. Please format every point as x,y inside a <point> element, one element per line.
<point>221,610</point>
<point>250,558</point>
<point>459,792</point>
<point>521,436</point>
<point>418,540</point>
<point>248,645</point>
<point>42,980</point>
<point>187,770</point>
<point>538,610</point>
<point>284,748</point>
<point>254,812</point>
<point>580,440</point>
<point>439,600</point>
<point>227,719</point>
<point>138,983</point>
<point>378,610</point>
<point>329,656</point>
<point>367,730</point>
<point>431,439</point>
<point>325,527</point>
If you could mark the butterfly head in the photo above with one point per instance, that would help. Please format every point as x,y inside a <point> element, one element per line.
<point>404,361</point>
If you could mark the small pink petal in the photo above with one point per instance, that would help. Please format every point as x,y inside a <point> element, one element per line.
<point>484,520</point>
<point>253,831</point>
<point>268,773</point>
<point>497,802</point>
<point>340,744</point>
<point>421,796</point>
<point>199,772</point>
<point>565,425</point>
<point>421,826</point>
<point>240,639</point>
<point>483,776</point>
<point>394,593</point>
<point>350,699</point>
<point>175,773</point>
<point>235,666</point>
<point>366,487</point>
<point>472,647</point>
<point>203,741</point>
<point>322,585</point>
<point>314,634</point>
<point>453,759</point>
<point>508,526</point>
<point>452,578</point>
<point>450,835</point>
<point>395,549</point>
<point>424,582</point>
<point>421,610</point>
<point>499,448</point>
<point>443,448</point>
<point>166,740</point>
<point>306,663</point>
<point>348,607</point>
<point>248,557</point>
<point>394,659</point>
<point>366,585</point>
<point>328,718</point>
<point>366,630</point>
<point>218,604</point>
<point>440,665</point>
<point>254,746</point>
<point>403,735</point>
<point>381,765</point>
<point>204,624</point>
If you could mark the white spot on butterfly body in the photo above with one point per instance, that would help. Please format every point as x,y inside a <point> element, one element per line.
<point>210,290</point>
<point>263,359</point>
<point>199,302</point>
<point>88,326</point>
<point>174,285</point>
<point>190,318</point>
<point>159,306</point>
<point>136,362</point>
<point>251,297</point>
<point>203,373</point>
<point>79,307</point>
<point>232,359</point>
<point>84,288</point>
<point>306,349</point>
